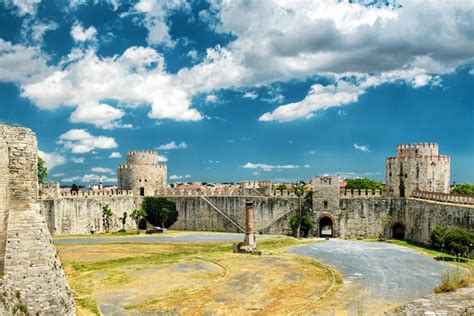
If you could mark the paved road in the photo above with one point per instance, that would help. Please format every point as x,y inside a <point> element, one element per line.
<point>185,238</point>
<point>385,272</point>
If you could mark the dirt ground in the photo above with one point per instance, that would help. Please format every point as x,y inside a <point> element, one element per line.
<point>197,279</point>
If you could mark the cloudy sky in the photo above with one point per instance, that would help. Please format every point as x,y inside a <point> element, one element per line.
<point>232,90</point>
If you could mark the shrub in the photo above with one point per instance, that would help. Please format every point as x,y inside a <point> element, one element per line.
<point>464,189</point>
<point>451,282</point>
<point>437,237</point>
<point>160,211</point>
<point>458,241</point>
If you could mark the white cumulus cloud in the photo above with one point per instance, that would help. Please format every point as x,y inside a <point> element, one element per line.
<point>52,159</point>
<point>81,141</point>
<point>363,148</point>
<point>115,154</point>
<point>268,167</point>
<point>173,145</point>
<point>80,34</point>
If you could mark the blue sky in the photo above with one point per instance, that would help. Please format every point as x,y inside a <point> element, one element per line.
<point>233,90</point>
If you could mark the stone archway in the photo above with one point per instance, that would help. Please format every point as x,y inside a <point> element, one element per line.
<point>326,226</point>
<point>398,231</point>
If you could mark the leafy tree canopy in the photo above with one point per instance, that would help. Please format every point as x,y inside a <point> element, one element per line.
<point>437,237</point>
<point>281,187</point>
<point>159,211</point>
<point>464,189</point>
<point>363,183</point>
<point>458,241</point>
<point>42,170</point>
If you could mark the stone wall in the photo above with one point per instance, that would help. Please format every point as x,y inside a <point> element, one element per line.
<point>83,214</point>
<point>195,213</point>
<point>371,217</point>
<point>33,278</point>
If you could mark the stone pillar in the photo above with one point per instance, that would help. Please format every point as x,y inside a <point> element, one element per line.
<point>249,232</point>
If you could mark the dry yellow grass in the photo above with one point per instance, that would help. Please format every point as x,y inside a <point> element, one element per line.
<point>194,279</point>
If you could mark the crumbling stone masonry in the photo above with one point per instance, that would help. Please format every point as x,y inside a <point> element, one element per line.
<point>32,280</point>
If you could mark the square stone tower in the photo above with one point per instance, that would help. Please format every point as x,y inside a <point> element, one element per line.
<point>326,205</point>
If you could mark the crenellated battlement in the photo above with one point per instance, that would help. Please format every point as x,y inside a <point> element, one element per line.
<point>158,165</point>
<point>443,197</point>
<point>445,158</point>
<point>415,149</point>
<point>360,193</point>
<point>97,193</point>
<point>142,152</point>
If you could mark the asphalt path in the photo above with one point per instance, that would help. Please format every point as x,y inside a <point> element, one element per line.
<point>157,238</point>
<point>383,271</point>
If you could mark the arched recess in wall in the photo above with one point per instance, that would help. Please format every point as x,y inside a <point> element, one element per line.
<point>398,231</point>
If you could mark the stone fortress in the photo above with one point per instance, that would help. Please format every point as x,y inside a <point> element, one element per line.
<point>33,282</point>
<point>415,201</point>
<point>142,173</point>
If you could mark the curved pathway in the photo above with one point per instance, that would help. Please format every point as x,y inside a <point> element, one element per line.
<point>378,274</point>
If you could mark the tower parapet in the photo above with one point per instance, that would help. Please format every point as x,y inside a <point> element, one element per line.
<point>142,173</point>
<point>417,167</point>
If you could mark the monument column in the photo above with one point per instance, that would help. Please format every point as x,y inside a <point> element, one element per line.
<point>249,231</point>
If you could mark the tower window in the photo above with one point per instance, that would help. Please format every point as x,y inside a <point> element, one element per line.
<point>325,204</point>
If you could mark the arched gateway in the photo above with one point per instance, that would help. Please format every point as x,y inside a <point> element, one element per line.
<point>326,227</point>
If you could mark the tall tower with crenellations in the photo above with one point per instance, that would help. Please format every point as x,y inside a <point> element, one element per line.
<point>142,173</point>
<point>417,167</point>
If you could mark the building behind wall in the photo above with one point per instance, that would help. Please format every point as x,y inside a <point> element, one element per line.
<point>417,167</point>
<point>142,173</point>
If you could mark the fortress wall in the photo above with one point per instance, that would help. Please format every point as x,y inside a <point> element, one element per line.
<point>422,216</point>
<point>83,214</point>
<point>196,214</point>
<point>366,217</point>
<point>33,275</point>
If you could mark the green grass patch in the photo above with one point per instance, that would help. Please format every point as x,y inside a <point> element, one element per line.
<point>89,304</point>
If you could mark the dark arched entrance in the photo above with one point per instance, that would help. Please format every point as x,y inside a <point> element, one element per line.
<point>398,231</point>
<point>326,228</point>
<point>142,191</point>
<point>142,224</point>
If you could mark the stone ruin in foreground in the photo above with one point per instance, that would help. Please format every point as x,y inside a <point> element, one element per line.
<point>32,280</point>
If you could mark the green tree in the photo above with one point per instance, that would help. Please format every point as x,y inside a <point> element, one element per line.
<point>124,220</point>
<point>137,215</point>
<point>165,213</point>
<point>458,241</point>
<point>153,207</point>
<point>106,216</point>
<point>281,187</point>
<point>463,189</point>
<point>42,170</point>
<point>363,184</point>
<point>437,237</point>
<point>306,222</point>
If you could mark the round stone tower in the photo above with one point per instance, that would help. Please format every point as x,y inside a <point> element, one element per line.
<point>142,173</point>
<point>417,167</point>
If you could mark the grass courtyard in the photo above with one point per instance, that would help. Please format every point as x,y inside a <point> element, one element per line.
<point>198,278</point>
